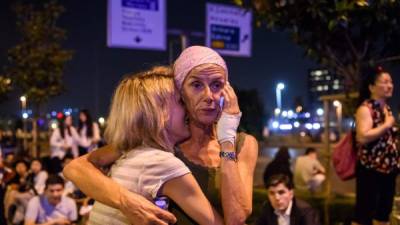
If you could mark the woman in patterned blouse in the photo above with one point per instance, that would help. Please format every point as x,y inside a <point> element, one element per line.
<point>378,158</point>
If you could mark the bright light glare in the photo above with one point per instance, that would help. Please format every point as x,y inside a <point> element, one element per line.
<point>316,126</point>
<point>284,113</point>
<point>337,103</point>
<point>54,125</point>
<point>275,124</point>
<point>280,86</point>
<point>102,120</point>
<point>290,113</point>
<point>285,126</point>
<point>320,112</point>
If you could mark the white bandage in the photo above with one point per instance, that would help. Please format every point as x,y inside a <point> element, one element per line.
<point>227,127</point>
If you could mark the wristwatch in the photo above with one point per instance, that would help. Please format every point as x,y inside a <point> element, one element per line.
<point>228,155</point>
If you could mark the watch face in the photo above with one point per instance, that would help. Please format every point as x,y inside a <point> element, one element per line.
<point>162,202</point>
<point>228,155</point>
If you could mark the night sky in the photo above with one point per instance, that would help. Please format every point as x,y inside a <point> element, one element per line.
<point>93,73</point>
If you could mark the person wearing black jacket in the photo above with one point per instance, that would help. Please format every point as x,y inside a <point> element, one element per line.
<point>283,208</point>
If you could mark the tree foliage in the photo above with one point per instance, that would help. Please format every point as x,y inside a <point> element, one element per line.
<point>5,87</point>
<point>37,62</point>
<point>342,35</point>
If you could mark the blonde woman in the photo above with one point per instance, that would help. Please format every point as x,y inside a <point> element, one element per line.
<point>146,121</point>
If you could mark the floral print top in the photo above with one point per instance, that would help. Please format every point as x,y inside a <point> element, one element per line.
<point>380,155</point>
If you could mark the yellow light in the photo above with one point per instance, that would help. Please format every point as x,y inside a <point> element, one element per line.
<point>54,125</point>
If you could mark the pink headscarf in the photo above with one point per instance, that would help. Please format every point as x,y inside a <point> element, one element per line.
<point>192,57</point>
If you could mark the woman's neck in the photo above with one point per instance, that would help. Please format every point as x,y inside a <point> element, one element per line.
<point>201,134</point>
<point>381,101</point>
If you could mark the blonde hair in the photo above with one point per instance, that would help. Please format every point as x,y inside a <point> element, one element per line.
<point>139,111</point>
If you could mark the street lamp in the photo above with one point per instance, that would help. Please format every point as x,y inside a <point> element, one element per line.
<point>339,112</point>
<point>279,88</point>
<point>24,117</point>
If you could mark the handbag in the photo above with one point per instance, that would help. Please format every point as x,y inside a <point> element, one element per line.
<point>345,157</point>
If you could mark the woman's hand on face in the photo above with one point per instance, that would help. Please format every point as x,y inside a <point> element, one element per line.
<point>139,210</point>
<point>230,117</point>
<point>231,105</point>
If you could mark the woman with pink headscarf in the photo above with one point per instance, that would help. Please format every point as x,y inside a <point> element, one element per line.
<point>221,160</point>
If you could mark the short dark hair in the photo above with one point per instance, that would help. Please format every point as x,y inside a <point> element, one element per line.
<point>310,150</point>
<point>277,179</point>
<point>54,179</point>
<point>23,162</point>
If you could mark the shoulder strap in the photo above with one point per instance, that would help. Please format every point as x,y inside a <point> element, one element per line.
<point>241,136</point>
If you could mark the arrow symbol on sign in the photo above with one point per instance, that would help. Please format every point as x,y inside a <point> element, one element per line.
<point>138,39</point>
<point>245,37</point>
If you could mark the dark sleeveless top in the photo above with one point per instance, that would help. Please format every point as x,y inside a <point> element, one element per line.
<point>380,155</point>
<point>209,180</point>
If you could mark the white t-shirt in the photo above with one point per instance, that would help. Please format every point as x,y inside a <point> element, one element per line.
<point>143,170</point>
<point>304,170</point>
<point>41,211</point>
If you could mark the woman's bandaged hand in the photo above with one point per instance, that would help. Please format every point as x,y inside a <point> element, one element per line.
<point>227,127</point>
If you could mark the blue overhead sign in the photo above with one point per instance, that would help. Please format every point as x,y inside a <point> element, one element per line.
<point>136,24</point>
<point>225,37</point>
<point>141,4</point>
<point>229,29</point>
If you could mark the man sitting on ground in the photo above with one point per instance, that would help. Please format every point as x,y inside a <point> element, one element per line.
<point>308,171</point>
<point>282,208</point>
<point>51,208</point>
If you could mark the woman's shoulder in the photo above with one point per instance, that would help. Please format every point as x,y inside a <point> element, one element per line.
<point>246,140</point>
<point>247,146</point>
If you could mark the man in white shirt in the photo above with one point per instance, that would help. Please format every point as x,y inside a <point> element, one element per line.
<point>51,208</point>
<point>282,208</point>
<point>308,171</point>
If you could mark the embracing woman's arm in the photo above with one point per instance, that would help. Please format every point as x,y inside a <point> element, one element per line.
<point>237,181</point>
<point>84,174</point>
<point>186,192</point>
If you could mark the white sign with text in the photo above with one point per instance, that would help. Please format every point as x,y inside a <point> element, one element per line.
<point>137,24</point>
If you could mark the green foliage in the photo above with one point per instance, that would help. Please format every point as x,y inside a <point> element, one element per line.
<point>5,87</point>
<point>37,62</point>
<point>252,108</point>
<point>342,35</point>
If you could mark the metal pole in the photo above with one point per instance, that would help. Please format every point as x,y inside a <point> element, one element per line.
<point>24,125</point>
<point>339,112</point>
<point>327,148</point>
<point>184,41</point>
